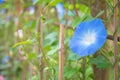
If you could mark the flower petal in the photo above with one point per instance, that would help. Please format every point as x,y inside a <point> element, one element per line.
<point>60,10</point>
<point>88,37</point>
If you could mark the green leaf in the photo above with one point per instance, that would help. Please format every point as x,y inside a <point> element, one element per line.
<point>76,22</point>
<point>100,62</point>
<point>73,57</point>
<point>53,51</point>
<point>49,21</point>
<point>69,72</point>
<point>22,43</point>
<point>31,56</point>
<point>71,13</point>
<point>84,9</point>
<point>33,25</point>
<point>118,43</point>
<point>36,1</point>
<point>89,72</point>
<point>50,38</point>
<point>55,2</point>
<point>99,14</point>
<point>70,6</point>
<point>51,35</point>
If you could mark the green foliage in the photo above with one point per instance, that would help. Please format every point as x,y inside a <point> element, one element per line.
<point>54,2</point>
<point>69,72</point>
<point>73,57</point>
<point>99,14</point>
<point>100,62</point>
<point>31,56</point>
<point>49,21</point>
<point>22,43</point>
<point>50,39</point>
<point>24,52</point>
<point>77,20</point>
<point>36,77</point>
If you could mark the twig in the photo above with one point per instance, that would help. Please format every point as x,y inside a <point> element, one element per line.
<point>115,42</point>
<point>83,68</point>
<point>110,37</point>
<point>40,37</point>
<point>73,2</point>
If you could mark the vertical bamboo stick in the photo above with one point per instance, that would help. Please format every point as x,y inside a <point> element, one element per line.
<point>61,52</point>
<point>41,42</point>
<point>39,51</point>
<point>18,6</point>
<point>115,42</point>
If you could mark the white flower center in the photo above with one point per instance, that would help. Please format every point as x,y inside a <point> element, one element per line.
<point>89,38</point>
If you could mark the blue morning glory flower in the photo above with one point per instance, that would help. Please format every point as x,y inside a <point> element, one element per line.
<point>60,10</point>
<point>5,59</point>
<point>31,10</point>
<point>1,1</point>
<point>2,11</point>
<point>88,37</point>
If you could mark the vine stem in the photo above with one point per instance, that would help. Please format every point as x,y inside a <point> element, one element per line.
<point>83,68</point>
<point>38,24</point>
<point>76,12</point>
<point>115,42</point>
<point>61,52</point>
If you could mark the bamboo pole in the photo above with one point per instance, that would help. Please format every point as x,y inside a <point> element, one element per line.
<point>115,41</point>
<point>41,42</point>
<point>61,52</point>
<point>18,6</point>
<point>39,51</point>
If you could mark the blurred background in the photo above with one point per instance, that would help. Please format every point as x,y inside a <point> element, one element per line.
<point>29,39</point>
